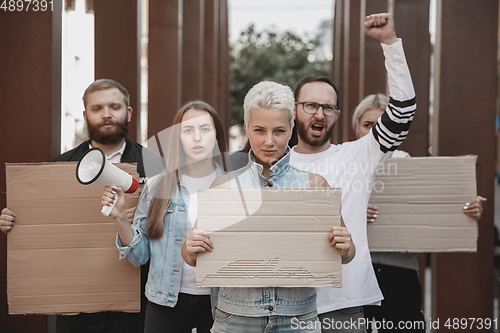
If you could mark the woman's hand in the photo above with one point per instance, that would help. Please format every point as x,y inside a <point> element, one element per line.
<point>474,208</point>
<point>340,238</point>
<point>122,217</point>
<point>197,241</point>
<point>371,214</point>
<point>119,213</point>
<point>130,214</point>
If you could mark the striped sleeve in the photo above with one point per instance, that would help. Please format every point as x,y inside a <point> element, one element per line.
<point>393,126</point>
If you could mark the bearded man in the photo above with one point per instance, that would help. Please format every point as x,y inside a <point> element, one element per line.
<point>107,115</point>
<point>352,166</point>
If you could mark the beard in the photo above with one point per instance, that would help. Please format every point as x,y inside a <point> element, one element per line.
<point>108,136</point>
<point>302,129</point>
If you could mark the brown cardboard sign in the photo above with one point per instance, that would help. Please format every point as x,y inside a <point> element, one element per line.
<point>420,202</point>
<point>61,253</point>
<point>269,237</point>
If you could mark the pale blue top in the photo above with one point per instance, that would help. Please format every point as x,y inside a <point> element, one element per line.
<point>165,269</point>
<point>257,302</point>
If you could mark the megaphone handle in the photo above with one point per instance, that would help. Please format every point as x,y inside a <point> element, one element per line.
<point>106,210</point>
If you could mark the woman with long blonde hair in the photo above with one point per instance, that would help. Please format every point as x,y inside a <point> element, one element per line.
<point>166,213</point>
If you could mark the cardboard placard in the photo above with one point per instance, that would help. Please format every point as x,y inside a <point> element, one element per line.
<point>61,253</point>
<point>269,237</point>
<point>420,202</point>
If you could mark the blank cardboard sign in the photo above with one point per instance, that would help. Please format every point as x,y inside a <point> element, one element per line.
<point>269,238</point>
<point>420,202</point>
<point>61,253</point>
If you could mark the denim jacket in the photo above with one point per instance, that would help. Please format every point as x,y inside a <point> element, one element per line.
<point>164,277</point>
<point>268,301</point>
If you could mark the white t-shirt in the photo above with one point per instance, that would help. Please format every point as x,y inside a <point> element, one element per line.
<point>353,166</point>
<point>344,166</point>
<point>193,185</point>
<point>116,157</point>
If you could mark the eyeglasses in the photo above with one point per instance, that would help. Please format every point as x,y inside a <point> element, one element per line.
<point>312,108</point>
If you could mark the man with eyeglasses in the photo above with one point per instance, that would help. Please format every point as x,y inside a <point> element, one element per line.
<point>352,166</point>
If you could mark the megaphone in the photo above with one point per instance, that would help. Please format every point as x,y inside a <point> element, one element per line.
<point>94,167</point>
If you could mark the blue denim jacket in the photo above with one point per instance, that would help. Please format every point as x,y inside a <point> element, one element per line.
<point>164,277</point>
<point>269,301</point>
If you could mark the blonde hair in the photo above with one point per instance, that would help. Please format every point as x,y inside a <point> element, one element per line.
<point>376,101</point>
<point>269,95</point>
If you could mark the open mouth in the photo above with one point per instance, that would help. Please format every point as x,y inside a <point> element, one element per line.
<point>317,128</point>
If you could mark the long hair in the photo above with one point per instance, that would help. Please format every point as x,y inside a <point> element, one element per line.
<point>168,183</point>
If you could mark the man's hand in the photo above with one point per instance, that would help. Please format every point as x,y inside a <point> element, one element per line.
<point>381,28</point>
<point>7,220</point>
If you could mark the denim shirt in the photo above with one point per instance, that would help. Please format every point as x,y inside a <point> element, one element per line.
<point>165,270</point>
<point>257,302</point>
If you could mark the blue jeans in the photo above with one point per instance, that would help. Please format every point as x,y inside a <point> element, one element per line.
<point>229,323</point>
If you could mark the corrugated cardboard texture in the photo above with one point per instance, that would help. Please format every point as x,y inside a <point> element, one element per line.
<point>61,253</point>
<point>272,238</point>
<point>421,205</point>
